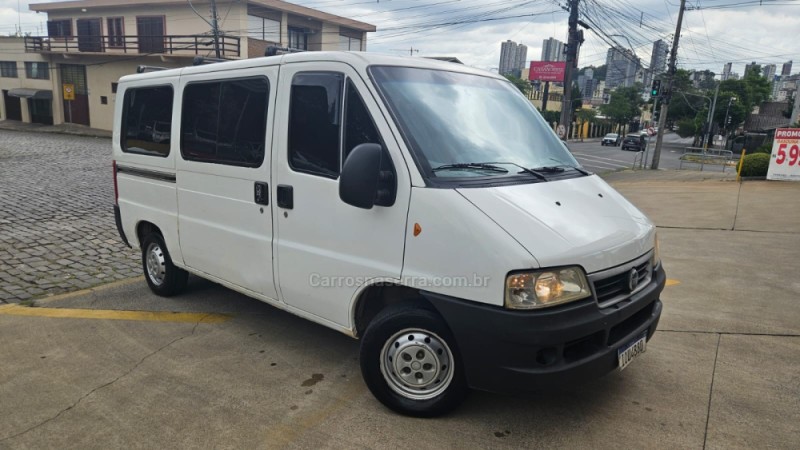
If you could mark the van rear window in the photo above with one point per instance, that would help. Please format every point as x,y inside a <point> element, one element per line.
<point>147,121</point>
<point>225,122</point>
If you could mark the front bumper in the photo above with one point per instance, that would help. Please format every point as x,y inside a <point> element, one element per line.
<point>511,351</point>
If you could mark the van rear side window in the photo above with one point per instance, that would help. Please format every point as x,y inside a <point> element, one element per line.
<point>225,122</point>
<point>147,121</point>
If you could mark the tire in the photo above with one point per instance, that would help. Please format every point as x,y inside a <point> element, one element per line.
<point>429,354</point>
<point>162,276</point>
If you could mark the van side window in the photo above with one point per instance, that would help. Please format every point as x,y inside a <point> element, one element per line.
<point>225,122</point>
<point>358,126</point>
<point>314,123</point>
<point>147,121</point>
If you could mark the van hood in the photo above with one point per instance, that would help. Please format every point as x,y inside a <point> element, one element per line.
<point>581,221</point>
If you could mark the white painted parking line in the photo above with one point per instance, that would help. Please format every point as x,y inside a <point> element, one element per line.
<point>587,155</point>
<point>604,164</point>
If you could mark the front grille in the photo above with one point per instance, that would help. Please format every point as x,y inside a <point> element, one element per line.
<point>615,287</point>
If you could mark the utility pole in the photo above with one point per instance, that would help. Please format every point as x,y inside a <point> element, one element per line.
<point>573,40</point>
<point>662,119</point>
<point>712,108</point>
<point>215,27</point>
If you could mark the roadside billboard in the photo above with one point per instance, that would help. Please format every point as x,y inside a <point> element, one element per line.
<point>547,71</point>
<point>785,161</point>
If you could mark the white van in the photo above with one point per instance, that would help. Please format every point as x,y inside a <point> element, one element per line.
<point>424,207</point>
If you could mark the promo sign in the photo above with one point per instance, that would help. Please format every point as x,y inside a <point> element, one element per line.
<point>69,91</point>
<point>785,161</point>
<point>547,71</point>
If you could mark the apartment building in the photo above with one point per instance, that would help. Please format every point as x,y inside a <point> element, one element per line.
<point>90,44</point>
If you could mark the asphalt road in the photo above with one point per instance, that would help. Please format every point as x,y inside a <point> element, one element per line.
<point>600,159</point>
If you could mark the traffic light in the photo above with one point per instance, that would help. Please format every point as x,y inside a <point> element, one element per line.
<point>656,112</point>
<point>656,88</point>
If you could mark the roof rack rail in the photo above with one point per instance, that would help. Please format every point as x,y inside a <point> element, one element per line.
<point>273,50</point>
<point>203,60</point>
<point>143,69</point>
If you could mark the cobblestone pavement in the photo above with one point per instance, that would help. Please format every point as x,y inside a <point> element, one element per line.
<point>57,231</point>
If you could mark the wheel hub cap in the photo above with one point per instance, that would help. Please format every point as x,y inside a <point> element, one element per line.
<point>417,364</point>
<point>155,264</point>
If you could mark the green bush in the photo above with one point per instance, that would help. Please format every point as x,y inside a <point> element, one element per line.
<point>755,165</point>
<point>686,128</point>
<point>766,148</point>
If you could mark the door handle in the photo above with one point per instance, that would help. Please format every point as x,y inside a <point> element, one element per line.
<point>261,193</point>
<point>285,196</point>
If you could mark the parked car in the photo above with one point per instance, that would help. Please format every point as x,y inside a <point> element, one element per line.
<point>349,188</point>
<point>635,142</point>
<point>612,139</point>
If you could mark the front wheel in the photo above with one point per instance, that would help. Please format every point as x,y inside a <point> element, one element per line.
<point>410,363</point>
<point>162,276</point>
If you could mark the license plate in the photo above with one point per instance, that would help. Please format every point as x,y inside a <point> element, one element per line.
<point>631,350</point>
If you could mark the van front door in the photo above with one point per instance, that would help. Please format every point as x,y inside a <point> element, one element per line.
<point>327,249</point>
<point>223,176</point>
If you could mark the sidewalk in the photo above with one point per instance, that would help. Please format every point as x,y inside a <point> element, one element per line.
<point>66,128</point>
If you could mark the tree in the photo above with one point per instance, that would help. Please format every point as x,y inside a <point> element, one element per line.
<point>577,97</point>
<point>524,86</point>
<point>624,105</point>
<point>551,116</point>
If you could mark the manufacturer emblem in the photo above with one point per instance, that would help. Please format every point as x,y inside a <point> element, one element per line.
<point>633,280</point>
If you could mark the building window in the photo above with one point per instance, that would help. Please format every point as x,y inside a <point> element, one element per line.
<point>103,100</point>
<point>264,29</point>
<point>298,38</point>
<point>8,69</point>
<point>116,32</point>
<point>114,88</point>
<point>59,28</point>
<point>147,121</point>
<point>349,44</point>
<point>37,70</point>
<point>225,122</point>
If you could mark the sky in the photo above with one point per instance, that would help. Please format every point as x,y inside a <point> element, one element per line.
<point>714,31</point>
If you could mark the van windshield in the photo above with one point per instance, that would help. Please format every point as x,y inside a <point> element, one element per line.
<point>468,123</point>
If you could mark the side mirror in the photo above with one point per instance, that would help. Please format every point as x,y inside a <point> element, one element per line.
<point>362,183</point>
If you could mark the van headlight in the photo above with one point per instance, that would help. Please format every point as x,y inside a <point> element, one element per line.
<point>544,288</point>
<point>656,254</point>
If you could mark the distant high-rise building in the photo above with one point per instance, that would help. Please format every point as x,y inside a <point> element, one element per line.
<point>508,57</point>
<point>587,91</point>
<point>621,68</point>
<point>750,67</point>
<point>658,62</point>
<point>786,69</point>
<point>658,58</point>
<point>520,57</point>
<point>726,71</point>
<point>553,50</point>
<point>513,57</point>
<point>768,72</point>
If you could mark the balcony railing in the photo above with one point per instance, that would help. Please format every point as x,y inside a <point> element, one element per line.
<point>186,45</point>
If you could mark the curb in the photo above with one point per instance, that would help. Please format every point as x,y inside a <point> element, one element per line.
<point>32,129</point>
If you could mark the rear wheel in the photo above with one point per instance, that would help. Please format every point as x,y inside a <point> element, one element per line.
<point>410,363</point>
<point>162,276</point>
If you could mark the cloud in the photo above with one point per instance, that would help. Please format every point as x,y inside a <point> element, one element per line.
<point>710,37</point>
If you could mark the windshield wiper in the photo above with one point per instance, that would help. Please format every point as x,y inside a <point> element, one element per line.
<point>481,166</point>
<point>559,169</point>
<point>524,169</point>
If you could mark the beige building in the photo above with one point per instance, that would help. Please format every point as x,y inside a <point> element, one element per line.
<point>90,44</point>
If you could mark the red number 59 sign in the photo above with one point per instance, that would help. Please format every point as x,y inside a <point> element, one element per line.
<point>785,161</point>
